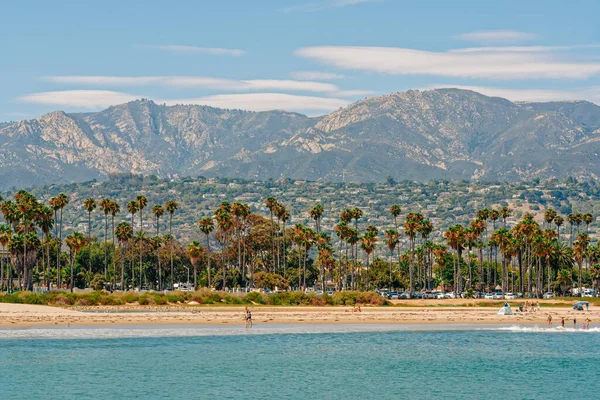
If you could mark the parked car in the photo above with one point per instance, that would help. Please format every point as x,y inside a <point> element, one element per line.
<point>429,295</point>
<point>404,295</point>
<point>392,295</point>
<point>510,296</point>
<point>548,295</point>
<point>497,296</point>
<point>441,295</point>
<point>489,296</point>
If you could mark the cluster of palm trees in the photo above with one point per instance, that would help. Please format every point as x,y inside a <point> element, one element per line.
<point>236,247</point>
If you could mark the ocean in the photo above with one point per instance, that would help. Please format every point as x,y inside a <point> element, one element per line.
<point>300,362</point>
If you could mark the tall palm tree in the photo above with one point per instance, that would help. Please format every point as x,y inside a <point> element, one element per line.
<point>368,242</point>
<point>75,241</point>
<point>580,247</point>
<point>240,212</point>
<point>392,238</point>
<point>316,213</point>
<point>549,216</point>
<point>158,212</point>
<point>5,236</point>
<point>132,208</point>
<point>411,225</point>
<point>142,202</point>
<point>104,205</point>
<point>558,221</point>
<point>114,210</point>
<point>194,251</point>
<point>44,219</point>
<point>588,219</point>
<point>58,203</point>
<point>89,205</point>
<point>171,206</point>
<point>271,203</point>
<point>455,235</point>
<point>207,225</point>
<point>124,233</point>
<point>395,210</point>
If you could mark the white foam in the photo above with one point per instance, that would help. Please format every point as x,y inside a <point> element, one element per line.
<point>541,329</point>
<point>147,331</point>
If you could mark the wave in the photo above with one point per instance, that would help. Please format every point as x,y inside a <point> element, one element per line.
<point>147,331</point>
<point>541,329</point>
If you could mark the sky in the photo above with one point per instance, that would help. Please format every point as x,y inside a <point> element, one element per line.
<point>308,56</point>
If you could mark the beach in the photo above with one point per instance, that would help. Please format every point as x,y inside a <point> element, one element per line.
<point>414,312</point>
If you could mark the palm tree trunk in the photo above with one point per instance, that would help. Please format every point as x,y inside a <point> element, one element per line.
<point>114,267</point>
<point>158,253</point>
<point>208,260</point>
<point>122,266</point>
<point>105,247</point>
<point>171,249</point>
<point>58,277</point>
<point>89,241</point>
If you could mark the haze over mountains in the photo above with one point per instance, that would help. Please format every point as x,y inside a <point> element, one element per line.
<point>417,135</point>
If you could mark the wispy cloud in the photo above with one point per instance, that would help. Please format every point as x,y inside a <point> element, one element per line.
<point>586,93</point>
<point>183,49</point>
<point>195,82</point>
<point>315,76</point>
<point>99,99</point>
<point>81,99</point>
<point>498,64</point>
<point>506,36</point>
<point>325,4</point>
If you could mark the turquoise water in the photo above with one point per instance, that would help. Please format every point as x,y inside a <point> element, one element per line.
<point>334,362</point>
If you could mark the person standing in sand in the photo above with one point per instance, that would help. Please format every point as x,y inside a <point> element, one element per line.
<point>575,322</point>
<point>562,322</point>
<point>549,320</point>
<point>248,318</point>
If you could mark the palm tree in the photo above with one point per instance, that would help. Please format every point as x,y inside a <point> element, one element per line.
<point>564,279</point>
<point>124,233</point>
<point>316,213</point>
<point>171,206</point>
<point>392,238</point>
<point>75,241</point>
<point>369,243</point>
<point>455,237</point>
<point>89,205</point>
<point>549,216</point>
<point>411,226</point>
<point>114,210</point>
<point>104,205</point>
<point>58,203</point>
<point>132,208</point>
<point>207,225</point>
<point>395,211</point>
<point>224,223</point>
<point>240,212</point>
<point>580,252</point>
<point>158,212</point>
<point>44,219</point>
<point>194,251</point>
<point>271,203</point>
<point>142,202</point>
<point>558,221</point>
<point>588,219</point>
<point>5,236</point>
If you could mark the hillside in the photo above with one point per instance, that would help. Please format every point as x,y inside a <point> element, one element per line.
<point>416,135</point>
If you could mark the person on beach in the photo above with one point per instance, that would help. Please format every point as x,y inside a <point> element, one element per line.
<point>549,320</point>
<point>575,322</point>
<point>562,322</point>
<point>248,318</point>
<point>587,323</point>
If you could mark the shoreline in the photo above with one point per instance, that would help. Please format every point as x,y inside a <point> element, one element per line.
<point>22,316</point>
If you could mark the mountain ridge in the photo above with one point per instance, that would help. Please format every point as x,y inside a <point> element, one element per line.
<point>417,135</point>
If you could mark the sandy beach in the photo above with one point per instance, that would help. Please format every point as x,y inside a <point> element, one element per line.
<point>22,315</point>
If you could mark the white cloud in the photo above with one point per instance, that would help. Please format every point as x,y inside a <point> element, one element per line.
<point>315,76</point>
<point>196,82</point>
<point>175,48</point>
<point>492,65</point>
<point>325,4</point>
<point>496,36</point>
<point>588,93</point>
<point>351,93</point>
<point>525,49</point>
<point>266,101</point>
<point>99,99</point>
<point>85,99</point>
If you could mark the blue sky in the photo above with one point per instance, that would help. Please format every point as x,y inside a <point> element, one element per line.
<point>311,56</point>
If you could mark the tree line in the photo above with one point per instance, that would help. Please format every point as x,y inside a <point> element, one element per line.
<point>240,248</point>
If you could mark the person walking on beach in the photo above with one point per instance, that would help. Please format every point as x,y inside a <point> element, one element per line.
<point>549,320</point>
<point>587,323</point>
<point>575,322</point>
<point>562,322</point>
<point>248,318</point>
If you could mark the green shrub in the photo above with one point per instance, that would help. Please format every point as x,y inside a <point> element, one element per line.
<point>144,300</point>
<point>11,298</point>
<point>254,297</point>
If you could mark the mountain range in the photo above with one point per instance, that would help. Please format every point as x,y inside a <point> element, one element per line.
<point>415,135</point>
